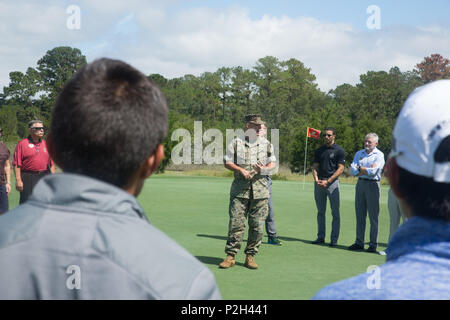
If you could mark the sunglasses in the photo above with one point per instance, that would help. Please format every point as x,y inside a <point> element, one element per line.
<point>327,135</point>
<point>38,128</point>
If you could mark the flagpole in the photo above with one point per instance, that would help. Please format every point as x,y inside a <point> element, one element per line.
<point>304,166</point>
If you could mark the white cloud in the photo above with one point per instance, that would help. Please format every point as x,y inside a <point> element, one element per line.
<point>163,38</point>
<point>205,39</point>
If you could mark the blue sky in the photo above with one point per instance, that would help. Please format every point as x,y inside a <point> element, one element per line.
<point>178,37</point>
<point>394,12</point>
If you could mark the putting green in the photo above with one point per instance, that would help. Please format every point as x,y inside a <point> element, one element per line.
<point>194,211</point>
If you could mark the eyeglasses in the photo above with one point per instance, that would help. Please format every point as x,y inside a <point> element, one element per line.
<point>37,128</point>
<point>327,135</point>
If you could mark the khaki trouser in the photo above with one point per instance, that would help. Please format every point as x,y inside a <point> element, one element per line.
<point>255,210</point>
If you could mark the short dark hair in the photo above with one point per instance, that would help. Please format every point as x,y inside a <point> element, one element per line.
<point>426,197</point>
<point>32,122</point>
<point>107,121</point>
<point>330,129</point>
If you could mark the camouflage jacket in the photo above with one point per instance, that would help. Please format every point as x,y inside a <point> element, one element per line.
<point>245,154</point>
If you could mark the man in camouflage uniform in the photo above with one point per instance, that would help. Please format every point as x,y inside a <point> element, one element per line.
<point>251,158</point>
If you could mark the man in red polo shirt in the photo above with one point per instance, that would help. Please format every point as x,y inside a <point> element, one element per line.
<point>31,160</point>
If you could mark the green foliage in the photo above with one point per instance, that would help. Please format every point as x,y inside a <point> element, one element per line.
<point>22,87</point>
<point>57,66</point>
<point>32,95</point>
<point>283,92</point>
<point>9,123</point>
<point>158,79</point>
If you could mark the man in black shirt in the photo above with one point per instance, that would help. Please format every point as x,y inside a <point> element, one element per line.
<point>328,165</point>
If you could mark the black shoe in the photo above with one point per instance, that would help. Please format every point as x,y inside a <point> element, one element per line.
<point>318,241</point>
<point>332,244</point>
<point>372,249</point>
<point>275,241</point>
<point>355,247</point>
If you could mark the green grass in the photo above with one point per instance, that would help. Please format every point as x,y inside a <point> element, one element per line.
<point>193,210</point>
<point>13,197</point>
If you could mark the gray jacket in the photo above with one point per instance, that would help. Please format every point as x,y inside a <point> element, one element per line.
<point>80,238</point>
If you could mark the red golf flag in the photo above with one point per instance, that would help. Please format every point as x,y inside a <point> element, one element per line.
<point>313,133</point>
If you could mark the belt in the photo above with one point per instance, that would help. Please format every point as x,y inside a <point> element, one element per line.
<point>34,172</point>
<point>368,179</point>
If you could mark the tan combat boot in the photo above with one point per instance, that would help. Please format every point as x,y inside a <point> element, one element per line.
<point>228,262</point>
<point>250,262</point>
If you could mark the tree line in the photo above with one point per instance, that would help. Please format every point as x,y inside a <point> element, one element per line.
<point>284,92</point>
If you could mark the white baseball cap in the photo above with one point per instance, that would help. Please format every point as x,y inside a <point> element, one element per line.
<point>421,142</point>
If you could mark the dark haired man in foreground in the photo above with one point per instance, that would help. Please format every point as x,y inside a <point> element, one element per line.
<point>418,255</point>
<point>82,233</point>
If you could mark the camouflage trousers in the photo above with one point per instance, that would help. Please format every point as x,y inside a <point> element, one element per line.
<point>253,210</point>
